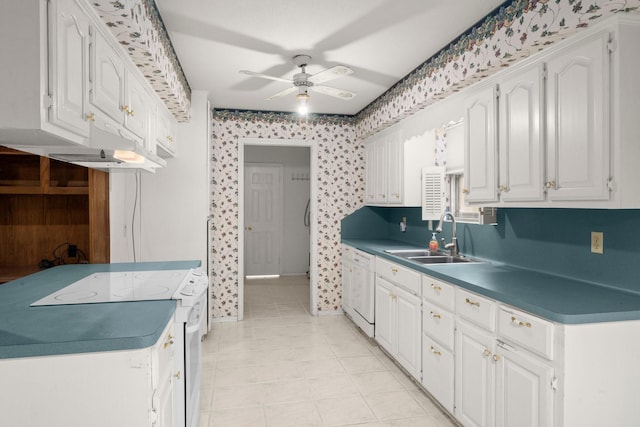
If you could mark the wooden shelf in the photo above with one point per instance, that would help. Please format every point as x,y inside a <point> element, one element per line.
<point>46,203</point>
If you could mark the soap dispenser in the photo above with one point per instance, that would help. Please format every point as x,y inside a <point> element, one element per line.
<point>433,243</point>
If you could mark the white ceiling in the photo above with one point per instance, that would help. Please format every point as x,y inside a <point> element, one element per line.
<point>381,40</point>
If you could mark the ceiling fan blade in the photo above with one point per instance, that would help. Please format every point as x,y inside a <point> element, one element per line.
<point>264,76</point>
<point>283,93</point>
<point>331,91</point>
<point>330,74</point>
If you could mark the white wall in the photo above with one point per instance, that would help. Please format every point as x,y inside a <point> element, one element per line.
<point>172,206</point>
<point>296,192</point>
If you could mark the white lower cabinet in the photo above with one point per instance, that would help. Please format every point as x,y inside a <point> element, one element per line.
<point>475,376</point>
<point>99,389</point>
<point>437,372</point>
<point>398,319</point>
<point>524,395</point>
<point>493,365</point>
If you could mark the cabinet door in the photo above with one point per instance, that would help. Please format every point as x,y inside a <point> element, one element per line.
<point>385,312</point>
<point>480,157</point>
<point>437,372</point>
<point>107,78</point>
<point>69,65</point>
<point>137,107</point>
<point>521,132</point>
<point>578,122</point>
<point>523,390</point>
<point>394,166</point>
<point>163,404</point>
<point>475,376</point>
<point>369,173</point>
<point>408,327</point>
<point>347,274</point>
<point>381,179</point>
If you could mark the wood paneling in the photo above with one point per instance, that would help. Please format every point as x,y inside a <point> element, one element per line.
<point>99,244</point>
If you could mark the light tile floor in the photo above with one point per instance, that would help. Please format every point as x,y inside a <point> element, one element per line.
<point>283,367</point>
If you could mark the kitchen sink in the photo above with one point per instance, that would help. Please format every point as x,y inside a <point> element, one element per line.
<point>408,253</point>
<point>424,256</point>
<point>438,259</point>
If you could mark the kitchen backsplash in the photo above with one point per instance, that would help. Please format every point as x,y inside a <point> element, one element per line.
<point>556,241</point>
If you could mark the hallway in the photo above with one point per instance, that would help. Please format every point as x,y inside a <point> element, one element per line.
<point>282,367</point>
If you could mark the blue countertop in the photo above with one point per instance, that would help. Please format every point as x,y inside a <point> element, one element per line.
<point>559,299</point>
<point>80,328</point>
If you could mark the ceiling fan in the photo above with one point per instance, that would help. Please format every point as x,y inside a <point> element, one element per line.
<point>304,82</point>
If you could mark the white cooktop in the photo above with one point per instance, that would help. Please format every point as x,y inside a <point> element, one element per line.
<point>118,287</point>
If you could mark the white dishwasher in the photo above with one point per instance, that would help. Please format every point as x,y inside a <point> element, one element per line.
<point>362,296</point>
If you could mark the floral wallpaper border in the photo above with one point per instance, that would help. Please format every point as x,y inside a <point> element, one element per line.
<point>138,27</point>
<point>513,33</point>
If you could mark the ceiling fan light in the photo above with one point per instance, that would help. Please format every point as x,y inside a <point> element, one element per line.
<point>303,96</point>
<point>302,108</point>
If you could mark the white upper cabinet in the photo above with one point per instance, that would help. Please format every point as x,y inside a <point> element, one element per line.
<point>521,136</point>
<point>480,165</point>
<point>137,106</point>
<point>68,71</point>
<point>567,126</point>
<point>393,168</point>
<point>107,78</point>
<point>578,121</point>
<point>69,66</point>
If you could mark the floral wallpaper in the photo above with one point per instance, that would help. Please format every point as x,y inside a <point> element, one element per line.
<point>137,26</point>
<point>340,192</point>
<point>516,31</point>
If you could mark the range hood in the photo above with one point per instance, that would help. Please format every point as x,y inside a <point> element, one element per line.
<point>108,149</point>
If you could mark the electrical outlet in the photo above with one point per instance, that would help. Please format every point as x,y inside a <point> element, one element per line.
<point>597,242</point>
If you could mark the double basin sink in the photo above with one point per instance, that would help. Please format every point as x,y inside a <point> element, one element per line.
<point>424,256</point>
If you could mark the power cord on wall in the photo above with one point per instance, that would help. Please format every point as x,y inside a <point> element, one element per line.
<point>133,215</point>
<point>71,254</point>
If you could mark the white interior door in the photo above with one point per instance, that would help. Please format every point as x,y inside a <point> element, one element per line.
<point>263,219</point>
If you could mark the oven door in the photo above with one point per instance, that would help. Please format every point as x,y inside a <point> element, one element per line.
<point>192,347</point>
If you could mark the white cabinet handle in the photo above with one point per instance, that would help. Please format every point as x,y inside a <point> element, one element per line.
<point>474,303</point>
<point>434,351</point>
<point>436,287</point>
<point>434,315</point>
<point>520,322</point>
<point>394,270</point>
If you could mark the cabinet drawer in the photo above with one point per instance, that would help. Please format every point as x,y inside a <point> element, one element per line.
<point>437,372</point>
<point>527,330</point>
<point>399,275</point>
<point>477,309</point>
<point>438,292</point>
<point>438,324</point>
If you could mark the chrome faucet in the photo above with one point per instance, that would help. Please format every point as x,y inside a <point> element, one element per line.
<point>453,246</point>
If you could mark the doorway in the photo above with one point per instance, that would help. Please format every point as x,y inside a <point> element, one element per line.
<point>258,250</point>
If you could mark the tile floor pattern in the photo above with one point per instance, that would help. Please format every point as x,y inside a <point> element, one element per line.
<point>281,367</point>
